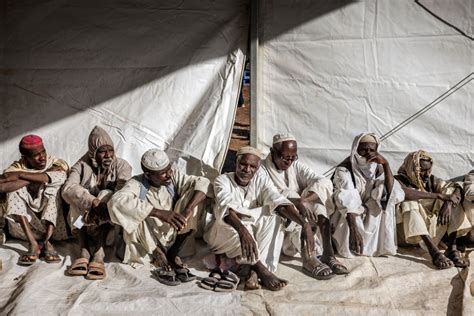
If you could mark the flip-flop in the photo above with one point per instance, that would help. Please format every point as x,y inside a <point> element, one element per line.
<point>50,256</point>
<point>228,283</point>
<point>455,257</point>
<point>96,271</point>
<point>184,275</point>
<point>27,259</point>
<point>78,267</point>
<point>437,258</point>
<point>336,266</point>
<point>167,277</point>
<point>209,283</point>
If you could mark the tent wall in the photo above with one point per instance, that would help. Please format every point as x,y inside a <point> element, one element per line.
<point>345,67</point>
<point>154,73</point>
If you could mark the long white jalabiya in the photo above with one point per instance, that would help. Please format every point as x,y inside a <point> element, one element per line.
<point>296,182</point>
<point>368,199</point>
<point>257,203</point>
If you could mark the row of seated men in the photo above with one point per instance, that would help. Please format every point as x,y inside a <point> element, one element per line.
<point>267,206</point>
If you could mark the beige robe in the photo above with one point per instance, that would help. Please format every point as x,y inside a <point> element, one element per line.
<point>257,202</point>
<point>296,182</point>
<point>468,203</point>
<point>81,187</point>
<point>143,233</point>
<point>45,206</point>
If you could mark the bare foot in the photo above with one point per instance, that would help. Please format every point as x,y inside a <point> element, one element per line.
<point>159,259</point>
<point>268,279</point>
<point>441,262</point>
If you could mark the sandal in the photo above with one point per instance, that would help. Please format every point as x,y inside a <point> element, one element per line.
<point>184,275</point>
<point>336,266</point>
<point>439,258</point>
<point>456,257</point>
<point>78,267</point>
<point>50,256</point>
<point>228,283</point>
<point>27,259</point>
<point>96,271</point>
<point>166,276</point>
<point>318,270</point>
<point>209,283</point>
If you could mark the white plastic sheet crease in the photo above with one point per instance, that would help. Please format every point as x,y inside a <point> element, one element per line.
<point>153,73</point>
<point>368,66</point>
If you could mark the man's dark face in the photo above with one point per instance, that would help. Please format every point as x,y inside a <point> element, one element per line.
<point>36,158</point>
<point>159,178</point>
<point>245,168</point>
<point>104,156</point>
<point>284,154</point>
<point>425,169</point>
<point>365,149</point>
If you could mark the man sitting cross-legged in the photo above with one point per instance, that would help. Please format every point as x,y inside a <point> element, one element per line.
<point>33,203</point>
<point>91,183</point>
<point>248,220</point>
<point>365,194</point>
<point>158,210</point>
<point>312,196</point>
<point>431,210</point>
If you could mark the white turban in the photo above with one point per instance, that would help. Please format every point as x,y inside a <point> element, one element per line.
<point>155,159</point>
<point>249,150</point>
<point>280,138</point>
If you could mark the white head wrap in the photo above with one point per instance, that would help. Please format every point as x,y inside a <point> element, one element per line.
<point>249,150</point>
<point>155,159</point>
<point>280,138</point>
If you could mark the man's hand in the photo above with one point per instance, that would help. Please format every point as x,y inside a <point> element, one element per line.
<point>356,243</point>
<point>307,237</point>
<point>377,158</point>
<point>304,211</point>
<point>176,220</point>
<point>444,215</point>
<point>248,245</point>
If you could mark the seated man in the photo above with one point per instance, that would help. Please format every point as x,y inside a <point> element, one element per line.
<point>468,202</point>
<point>248,225</point>
<point>33,205</point>
<point>365,195</point>
<point>158,210</point>
<point>430,210</point>
<point>91,183</point>
<point>312,196</point>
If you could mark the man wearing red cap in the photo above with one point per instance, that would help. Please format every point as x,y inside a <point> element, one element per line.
<point>33,205</point>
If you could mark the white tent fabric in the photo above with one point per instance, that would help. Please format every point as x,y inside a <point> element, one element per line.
<point>152,73</point>
<point>368,66</point>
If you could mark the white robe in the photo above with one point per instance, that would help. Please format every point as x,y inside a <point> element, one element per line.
<point>296,182</point>
<point>375,222</point>
<point>257,201</point>
<point>142,233</point>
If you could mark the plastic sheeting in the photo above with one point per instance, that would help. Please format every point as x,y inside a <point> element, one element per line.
<point>346,67</point>
<point>153,73</point>
<point>406,284</point>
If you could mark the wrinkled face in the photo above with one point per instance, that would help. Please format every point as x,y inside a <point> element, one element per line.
<point>104,156</point>
<point>284,154</point>
<point>425,169</point>
<point>36,158</point>
<point>245,168</point>
<point>159,178</point>
<point>365,149</point>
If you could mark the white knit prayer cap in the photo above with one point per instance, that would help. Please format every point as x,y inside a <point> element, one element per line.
<point>155,159</point>
<point>280,138</point>
<point>249,150</point>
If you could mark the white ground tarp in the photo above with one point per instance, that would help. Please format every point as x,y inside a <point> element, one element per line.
<point>406,284</point>
<point>154,73</point>
<point>346,67</point>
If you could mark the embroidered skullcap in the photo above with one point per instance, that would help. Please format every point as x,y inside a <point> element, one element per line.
<point>155,159</point>
<point>280,138</point>
<point>249,150</point>
<point>30,142</point>
<point>368,138</point>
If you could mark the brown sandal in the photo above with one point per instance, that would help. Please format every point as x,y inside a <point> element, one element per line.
<point>96,271</point>
<point>78,267</point>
